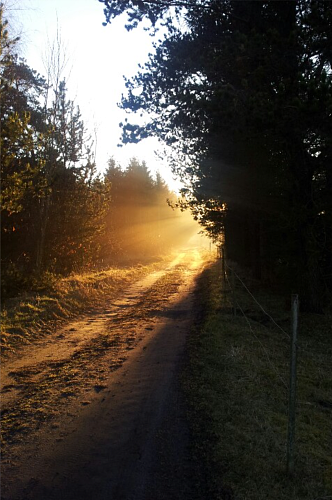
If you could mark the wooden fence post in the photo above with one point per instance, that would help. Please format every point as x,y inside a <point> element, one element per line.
<point>292,387</point>
<point>233,284</point>
<point>223,264</point>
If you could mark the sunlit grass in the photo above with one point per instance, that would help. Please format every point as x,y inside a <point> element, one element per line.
<point>34,314</point>
<point>51,386</point>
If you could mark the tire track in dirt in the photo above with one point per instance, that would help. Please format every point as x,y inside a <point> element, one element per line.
<point>60,362</point>
<point>75,334</point>
<point>62,394</point>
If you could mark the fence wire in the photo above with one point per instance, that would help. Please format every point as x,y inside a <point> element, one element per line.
<point>256,301</point>
<point>275,369</point>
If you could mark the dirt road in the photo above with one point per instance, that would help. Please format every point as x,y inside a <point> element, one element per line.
<point>90,412</point>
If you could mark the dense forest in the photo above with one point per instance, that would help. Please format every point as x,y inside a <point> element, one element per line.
<point>242,92</point>
<point>58,215</point>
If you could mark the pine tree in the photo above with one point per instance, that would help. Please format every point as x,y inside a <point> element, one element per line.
<point>243,95</point>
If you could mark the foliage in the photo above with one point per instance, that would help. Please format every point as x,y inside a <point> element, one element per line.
<point>52,202</point>
<point>58,215</point>
<point>243,94</point>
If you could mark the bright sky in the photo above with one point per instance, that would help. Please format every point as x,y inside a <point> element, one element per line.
<point>98,57</point>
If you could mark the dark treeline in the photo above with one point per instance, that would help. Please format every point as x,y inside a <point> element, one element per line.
<point>242,91</point>
<point>57,214</point>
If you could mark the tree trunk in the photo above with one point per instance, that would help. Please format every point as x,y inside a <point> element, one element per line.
<point>44,212</point>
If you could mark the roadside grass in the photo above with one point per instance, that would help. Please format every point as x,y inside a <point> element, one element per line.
<point>37,312</point>
<point>236,385</point>
<point>49,389</point>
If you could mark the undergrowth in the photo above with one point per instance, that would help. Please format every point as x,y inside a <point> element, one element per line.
<point>237,388</point>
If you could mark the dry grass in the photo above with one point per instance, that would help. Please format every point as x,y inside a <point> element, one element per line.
<point>45,387</point>
<point>36,313</point>
<point>237,387</point>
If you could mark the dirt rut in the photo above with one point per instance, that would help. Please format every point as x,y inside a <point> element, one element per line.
<point>82,411</point>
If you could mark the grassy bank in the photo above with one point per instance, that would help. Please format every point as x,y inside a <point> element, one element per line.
<point>236,384</point>
<point>34,314</point>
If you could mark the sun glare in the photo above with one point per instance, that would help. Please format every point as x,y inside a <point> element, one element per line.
<point>98,58</point>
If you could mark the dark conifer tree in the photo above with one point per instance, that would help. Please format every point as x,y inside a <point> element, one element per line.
<point>244,92</point>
